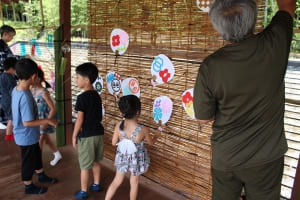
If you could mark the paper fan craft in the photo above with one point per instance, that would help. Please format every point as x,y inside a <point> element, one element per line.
<point>162,69</point>
<point>188,101</point>
<point>113,81</point>
<point>131,86</point>
<point>98,84</point>
<point>203,5</point>
<point>162,109</point>
<point>119,41</point>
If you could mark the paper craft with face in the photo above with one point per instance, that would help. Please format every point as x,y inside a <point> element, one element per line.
<point>187,102</point>
<point>119,41</point>
<point>162,69</point>
<point>98,84</point>
<point>131,86</point>
<point>162,109</point>
<point>113,81</point>
<point>203,5</point>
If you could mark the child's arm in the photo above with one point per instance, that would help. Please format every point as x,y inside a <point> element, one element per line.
<point>115,137</point>
<point>40,122</point>
<point>151,140</point>
<point>48,100</point>
<point>77,127</point>
<point>50,103</point>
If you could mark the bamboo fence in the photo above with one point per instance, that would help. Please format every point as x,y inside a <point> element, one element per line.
<point>181,159</point>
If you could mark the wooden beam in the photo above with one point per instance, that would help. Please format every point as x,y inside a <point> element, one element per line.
<point>65,20</point>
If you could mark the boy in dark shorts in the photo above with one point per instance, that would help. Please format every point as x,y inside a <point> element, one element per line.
<point>27,127</point>
<point>88,131</point>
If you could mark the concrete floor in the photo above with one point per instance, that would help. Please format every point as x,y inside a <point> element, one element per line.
<point>67,172</point>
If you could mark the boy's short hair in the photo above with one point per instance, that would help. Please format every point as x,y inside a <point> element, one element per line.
<point>7,29</point>
<point>9,62</point>
<point>25,68</point>
<point>88,70</point>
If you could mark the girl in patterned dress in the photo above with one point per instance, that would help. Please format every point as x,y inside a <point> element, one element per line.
<point>131,152</point>
<point>46,109</point>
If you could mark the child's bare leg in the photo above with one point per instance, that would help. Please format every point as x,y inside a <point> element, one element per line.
<point>9,127</point>
<point>134,186</point>
<point>41,142</point>
<point>96,172</point>
<point>45,138</point>
<point>84,177</point>
<point>49,142</point>
<point>114,185</point>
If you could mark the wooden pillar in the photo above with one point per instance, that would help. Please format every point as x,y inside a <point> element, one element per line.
<point>296,187</point>
<point>65,21</point>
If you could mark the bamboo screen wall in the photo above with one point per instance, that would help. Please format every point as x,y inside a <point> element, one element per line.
<point>180,160</point>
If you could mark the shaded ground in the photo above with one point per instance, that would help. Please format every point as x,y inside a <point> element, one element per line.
<point>68,173</point>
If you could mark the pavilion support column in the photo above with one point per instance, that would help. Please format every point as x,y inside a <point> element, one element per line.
<point>296,187</point>
<point>65,21</point>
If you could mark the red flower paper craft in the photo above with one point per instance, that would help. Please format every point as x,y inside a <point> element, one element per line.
<point>187,98</point>
<point>115,40</point>
<point>165,75</point>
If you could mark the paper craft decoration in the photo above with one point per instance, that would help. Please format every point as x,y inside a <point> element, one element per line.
<point>98,84</point>
<point>162,69</point>
<point>203,5</point>
<point>23,49</point>
<point>113,81</point>
<point>14,48</point>
<point>50,41</point>
<point>36,48</point>
<point>131,86</point>
<point>188,101</point>
<point>119,41</point>
<point>162,109</point>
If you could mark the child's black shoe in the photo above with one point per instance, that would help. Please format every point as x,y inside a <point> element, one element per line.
<point>32,189</point>
<point>43,178</point>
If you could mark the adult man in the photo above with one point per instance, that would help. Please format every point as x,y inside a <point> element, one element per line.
<point>241,88</point>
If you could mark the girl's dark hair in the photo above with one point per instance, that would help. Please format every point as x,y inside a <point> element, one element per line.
<point>25,68</point>
<point>40,74</point>
<point>88,70</point>
<point>129,106</point>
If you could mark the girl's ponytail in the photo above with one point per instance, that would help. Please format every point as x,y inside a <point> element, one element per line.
<point>122,124</point>
<point>47,84</point>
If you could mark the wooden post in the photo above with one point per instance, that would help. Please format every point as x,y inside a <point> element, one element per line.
<point>296,187</point>
<point>65,21</point>
<point>42,12</point>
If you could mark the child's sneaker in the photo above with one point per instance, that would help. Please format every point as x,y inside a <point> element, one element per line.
<point>43,178</point>
<point>95,187</point>
<point>81,195</point>
<point>32,189</point>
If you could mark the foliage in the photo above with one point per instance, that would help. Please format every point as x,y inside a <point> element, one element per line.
<point>27,17</point>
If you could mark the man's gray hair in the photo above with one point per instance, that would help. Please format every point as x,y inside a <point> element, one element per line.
<point>233,19</point>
